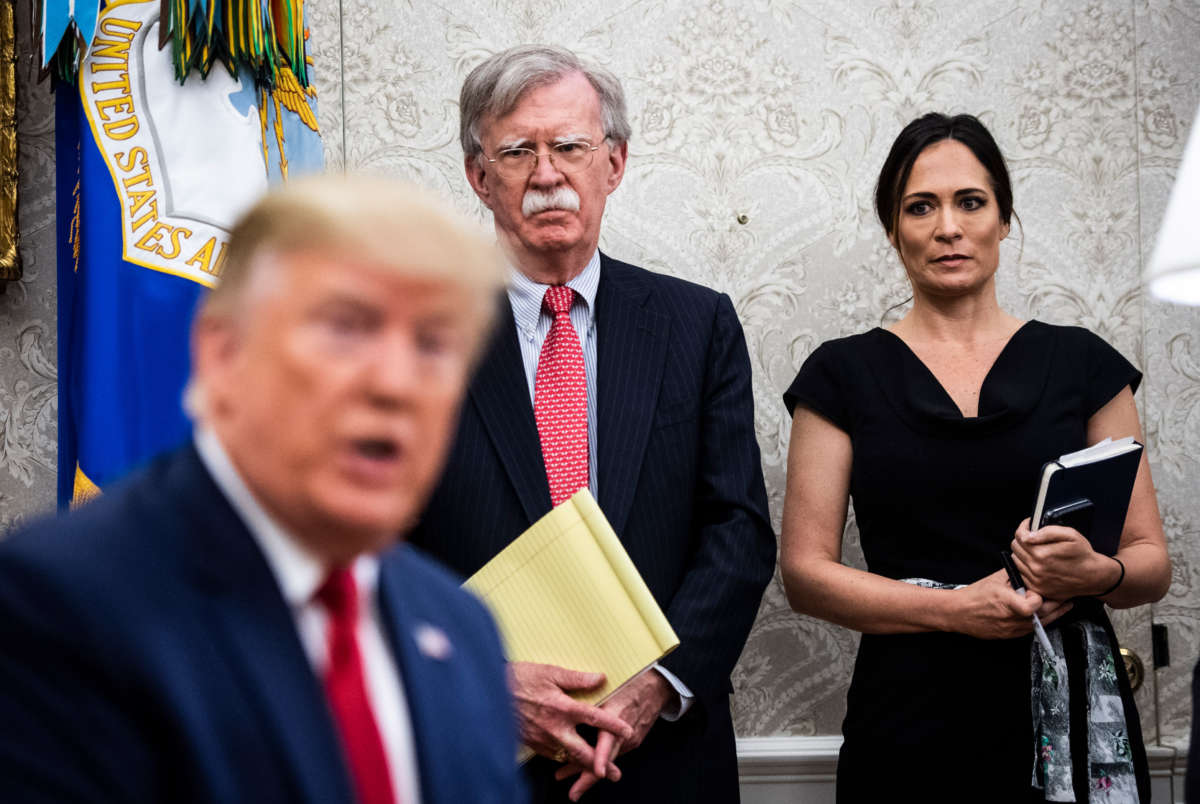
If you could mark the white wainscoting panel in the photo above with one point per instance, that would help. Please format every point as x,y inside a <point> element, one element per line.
<point>802,770</point>
<point>788,770</point>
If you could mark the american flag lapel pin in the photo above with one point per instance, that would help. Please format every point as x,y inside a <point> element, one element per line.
<point>433,642</point>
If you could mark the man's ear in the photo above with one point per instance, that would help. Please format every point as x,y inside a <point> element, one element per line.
<point>215,345</point>
<point>477,175</point>
<point>617,154</point>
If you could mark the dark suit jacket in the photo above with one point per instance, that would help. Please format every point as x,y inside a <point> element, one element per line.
<point>679,479</point>
<point>147,655</point>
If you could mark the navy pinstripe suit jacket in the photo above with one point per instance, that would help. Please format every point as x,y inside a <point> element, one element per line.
<point>679,479</point>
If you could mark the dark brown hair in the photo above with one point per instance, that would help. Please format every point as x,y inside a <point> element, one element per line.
<point>919,135</point>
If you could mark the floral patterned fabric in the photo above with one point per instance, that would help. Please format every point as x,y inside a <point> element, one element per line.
<point>1109,753</point>
<point>1111,774</point>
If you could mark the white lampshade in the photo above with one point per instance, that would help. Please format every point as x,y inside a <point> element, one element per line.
<point>1174,270</point>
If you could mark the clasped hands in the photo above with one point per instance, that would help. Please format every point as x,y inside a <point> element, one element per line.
<point>1057,564</point>
<point>548,718</point>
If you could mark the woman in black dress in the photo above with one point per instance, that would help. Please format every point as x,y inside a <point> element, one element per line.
<point>937,428</point>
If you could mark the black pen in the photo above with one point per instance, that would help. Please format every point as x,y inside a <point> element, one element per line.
<point>1018,584</point>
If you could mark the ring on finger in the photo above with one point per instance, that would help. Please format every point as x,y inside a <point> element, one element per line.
<point>560,756</point>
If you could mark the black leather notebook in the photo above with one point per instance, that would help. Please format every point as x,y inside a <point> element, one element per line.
<point>1089,490</point>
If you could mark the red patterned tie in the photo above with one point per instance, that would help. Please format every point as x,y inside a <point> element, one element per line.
<point>560,400</point>
<point>345,686</point>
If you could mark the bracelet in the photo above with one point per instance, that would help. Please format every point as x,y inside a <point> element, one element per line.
<point>1120,578</point>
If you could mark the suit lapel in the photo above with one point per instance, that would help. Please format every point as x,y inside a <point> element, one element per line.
<point>500,394</point>
<point>249,614</point>
<point>422,674</point>
<point>631,353</point>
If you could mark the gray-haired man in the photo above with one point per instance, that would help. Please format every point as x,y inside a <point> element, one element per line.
<point>634,384</point>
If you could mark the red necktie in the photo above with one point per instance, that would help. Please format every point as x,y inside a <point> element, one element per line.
<point>345,686</point>
<point>560,400</point>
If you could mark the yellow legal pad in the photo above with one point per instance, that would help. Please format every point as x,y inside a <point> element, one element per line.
<point>565,592</point>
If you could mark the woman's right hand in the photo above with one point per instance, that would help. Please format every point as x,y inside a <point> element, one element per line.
<point>991,609</point>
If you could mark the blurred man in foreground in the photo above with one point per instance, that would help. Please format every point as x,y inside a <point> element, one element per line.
<point>226,625</point>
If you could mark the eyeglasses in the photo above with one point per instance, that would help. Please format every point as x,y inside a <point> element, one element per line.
<point>568,157</point>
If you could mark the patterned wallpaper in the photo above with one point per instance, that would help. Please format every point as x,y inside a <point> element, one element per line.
<point>758,130</point>
<point>28,377</point>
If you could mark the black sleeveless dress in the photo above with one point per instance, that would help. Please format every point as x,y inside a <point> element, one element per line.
<point>944,716</point>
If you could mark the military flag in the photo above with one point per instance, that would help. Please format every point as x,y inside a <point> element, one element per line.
<point>172,117</point>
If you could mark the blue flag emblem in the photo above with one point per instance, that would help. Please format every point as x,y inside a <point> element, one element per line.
<point>151,176</point>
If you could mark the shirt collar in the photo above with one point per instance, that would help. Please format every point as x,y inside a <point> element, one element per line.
<point>525,295</point>
<point>298,572</point>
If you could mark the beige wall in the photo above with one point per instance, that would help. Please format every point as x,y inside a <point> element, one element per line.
<point>782,112</point>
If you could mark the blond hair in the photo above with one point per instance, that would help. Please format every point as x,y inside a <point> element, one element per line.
<point>387,223</point>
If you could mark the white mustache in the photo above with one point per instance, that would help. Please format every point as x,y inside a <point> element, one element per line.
<point>536,201</point>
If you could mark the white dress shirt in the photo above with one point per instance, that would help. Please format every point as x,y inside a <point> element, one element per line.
<point>533,322</point>
<point>299,574</point>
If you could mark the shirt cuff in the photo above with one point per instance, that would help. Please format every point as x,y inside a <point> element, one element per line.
<point>677,708</point>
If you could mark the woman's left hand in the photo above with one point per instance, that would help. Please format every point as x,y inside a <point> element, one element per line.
<point>1059,563</point>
